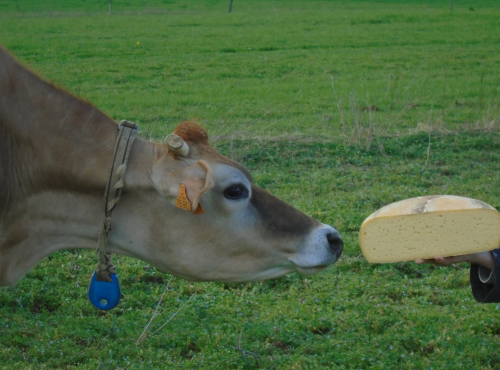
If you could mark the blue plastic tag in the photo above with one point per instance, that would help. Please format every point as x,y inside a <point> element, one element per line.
<point>104,295</point>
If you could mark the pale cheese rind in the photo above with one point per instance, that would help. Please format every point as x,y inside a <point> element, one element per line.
<point>426,227</point>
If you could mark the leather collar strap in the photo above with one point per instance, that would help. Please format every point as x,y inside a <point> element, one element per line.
<point>126,135</point>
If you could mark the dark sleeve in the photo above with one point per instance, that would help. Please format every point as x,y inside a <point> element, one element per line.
<point>486,293</point>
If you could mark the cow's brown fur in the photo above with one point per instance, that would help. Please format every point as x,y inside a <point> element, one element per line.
<point>40,126</point>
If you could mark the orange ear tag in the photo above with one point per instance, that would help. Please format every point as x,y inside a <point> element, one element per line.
<point>183,202</point>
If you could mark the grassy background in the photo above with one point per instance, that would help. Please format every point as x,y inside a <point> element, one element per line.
<point>332,106</point>
<point>268,67</point>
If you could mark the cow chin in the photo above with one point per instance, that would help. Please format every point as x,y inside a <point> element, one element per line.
<point>307,271</point>
<point>271,274</point>
<point>251,277</point>
<point>258,276</point>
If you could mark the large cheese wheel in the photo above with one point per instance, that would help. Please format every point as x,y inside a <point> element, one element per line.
<point>426,227</point>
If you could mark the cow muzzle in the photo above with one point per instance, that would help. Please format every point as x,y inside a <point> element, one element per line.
<point>323,247</point>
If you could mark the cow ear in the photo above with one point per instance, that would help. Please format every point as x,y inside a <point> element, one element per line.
<point>186,185</point>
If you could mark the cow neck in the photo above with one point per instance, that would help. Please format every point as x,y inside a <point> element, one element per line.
<point>51,139</point>
<point>55,155</point>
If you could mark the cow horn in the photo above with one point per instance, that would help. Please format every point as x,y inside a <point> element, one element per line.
<point>176,145</point>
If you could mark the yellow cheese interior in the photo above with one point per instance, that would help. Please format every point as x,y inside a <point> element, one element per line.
<point>426,235</point>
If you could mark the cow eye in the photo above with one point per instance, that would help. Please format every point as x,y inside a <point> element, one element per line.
<point>236,191</point>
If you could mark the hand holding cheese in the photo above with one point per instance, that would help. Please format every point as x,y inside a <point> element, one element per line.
<point>484,259</point>
<point>428,227</point>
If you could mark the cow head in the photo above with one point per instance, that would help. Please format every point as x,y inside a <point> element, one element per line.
<point>228,229</point>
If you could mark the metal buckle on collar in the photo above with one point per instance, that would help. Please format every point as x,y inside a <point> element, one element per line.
<point>129,124</point>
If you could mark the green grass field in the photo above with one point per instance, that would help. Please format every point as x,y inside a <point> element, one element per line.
<point>332,106</point>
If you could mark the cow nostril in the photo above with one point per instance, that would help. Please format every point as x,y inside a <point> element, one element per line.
<point>336,243</point>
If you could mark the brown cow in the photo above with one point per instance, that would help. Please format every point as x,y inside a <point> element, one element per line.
<point>55,157</point>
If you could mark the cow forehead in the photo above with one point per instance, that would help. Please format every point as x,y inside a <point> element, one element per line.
<point>243,170</point>
<point>213,157</point>
<point>225,175</point>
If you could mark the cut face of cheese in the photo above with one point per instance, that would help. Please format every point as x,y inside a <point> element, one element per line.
<point>431,226</point>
